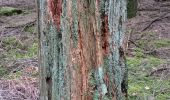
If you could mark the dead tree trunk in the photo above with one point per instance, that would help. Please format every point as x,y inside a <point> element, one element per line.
<point>81,49</point>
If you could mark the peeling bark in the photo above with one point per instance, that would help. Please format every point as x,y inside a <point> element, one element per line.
<point>81,49</point>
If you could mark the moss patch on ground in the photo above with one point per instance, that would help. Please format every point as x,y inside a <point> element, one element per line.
<point>14,48</point>
<point>30,29</point>
<point>142,86</point>
<point>12,43</point>
<point>8,11</point>
<point>3,71</point>
<point>153,44</point>
<point>17,49</point>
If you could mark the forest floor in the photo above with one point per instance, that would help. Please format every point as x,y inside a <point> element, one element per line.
<point>18,50</point>
<point>148,54</point>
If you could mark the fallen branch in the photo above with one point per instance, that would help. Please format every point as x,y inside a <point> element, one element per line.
<point>134,44</point>
<point>151,22</point>
<point>128,38</point>
<point>23,25</point>
<point>151,52</point>
<point>28,25</point>
<point>165,4</point>
<point>149,9</point>
<point>154,20</point>
<point>159,70</point>
<point>162,91</point>
<point>1,21</point>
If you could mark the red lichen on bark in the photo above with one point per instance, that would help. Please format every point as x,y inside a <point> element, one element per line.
<point>106,79</point>
<point>99,55</point>
<point>83,65</point>
<point>105,35</point>
<point>55,10</point>
<point>80,58</point>
<point>96,31</point>
<point>92,46</point>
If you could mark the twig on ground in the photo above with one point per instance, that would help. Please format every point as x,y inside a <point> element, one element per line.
<point>23,25</point>
<point>151,52</point>
<point>24,88</point>
<point>128,38</point>
<point>1,21</point>
<point>154,20</point>
<point>134,44</point>
<point>158,70</point>
<point>151,22</point>
<point>148,9</point>
<point>29,25</point>
<point>162,91</point>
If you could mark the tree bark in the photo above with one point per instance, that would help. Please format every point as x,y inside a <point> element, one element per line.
<point>82,49</point>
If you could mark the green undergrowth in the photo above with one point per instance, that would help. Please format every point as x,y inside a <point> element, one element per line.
<point>17,49</point>
<point>149,41</point>
<point>153,44</point>
<point>19,74</point>
<point>16,75</point>
<point>30,29</point>
<point>162,43</point>
<point>141,85</point>
<point>12,43</point>
<point>3,71</point>
<point>8,11</point>
<point>31,52</point>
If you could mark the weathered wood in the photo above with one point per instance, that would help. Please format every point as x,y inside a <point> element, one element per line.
<point>81,50</point>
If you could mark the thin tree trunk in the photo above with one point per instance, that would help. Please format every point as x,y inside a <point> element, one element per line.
<point>81,50</point>
<point>132,8</point>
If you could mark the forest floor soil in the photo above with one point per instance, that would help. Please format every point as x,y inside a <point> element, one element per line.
<point>18,52</point>
<point>150,29</point>
<point>149,51</point>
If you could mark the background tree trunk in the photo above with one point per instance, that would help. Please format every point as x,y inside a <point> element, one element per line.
<point>81,49</point>
<point>132,8</point>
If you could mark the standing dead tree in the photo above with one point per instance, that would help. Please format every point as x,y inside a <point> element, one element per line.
<point>82,49</point>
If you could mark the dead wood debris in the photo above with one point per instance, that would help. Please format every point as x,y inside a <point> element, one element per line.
<point>162,91</point>
<point>1,21</point>
<point>154,20</point>
<point>158,70</point>
<point>23,25</point>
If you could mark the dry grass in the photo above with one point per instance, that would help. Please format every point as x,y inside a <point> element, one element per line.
<point>25,88</point>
